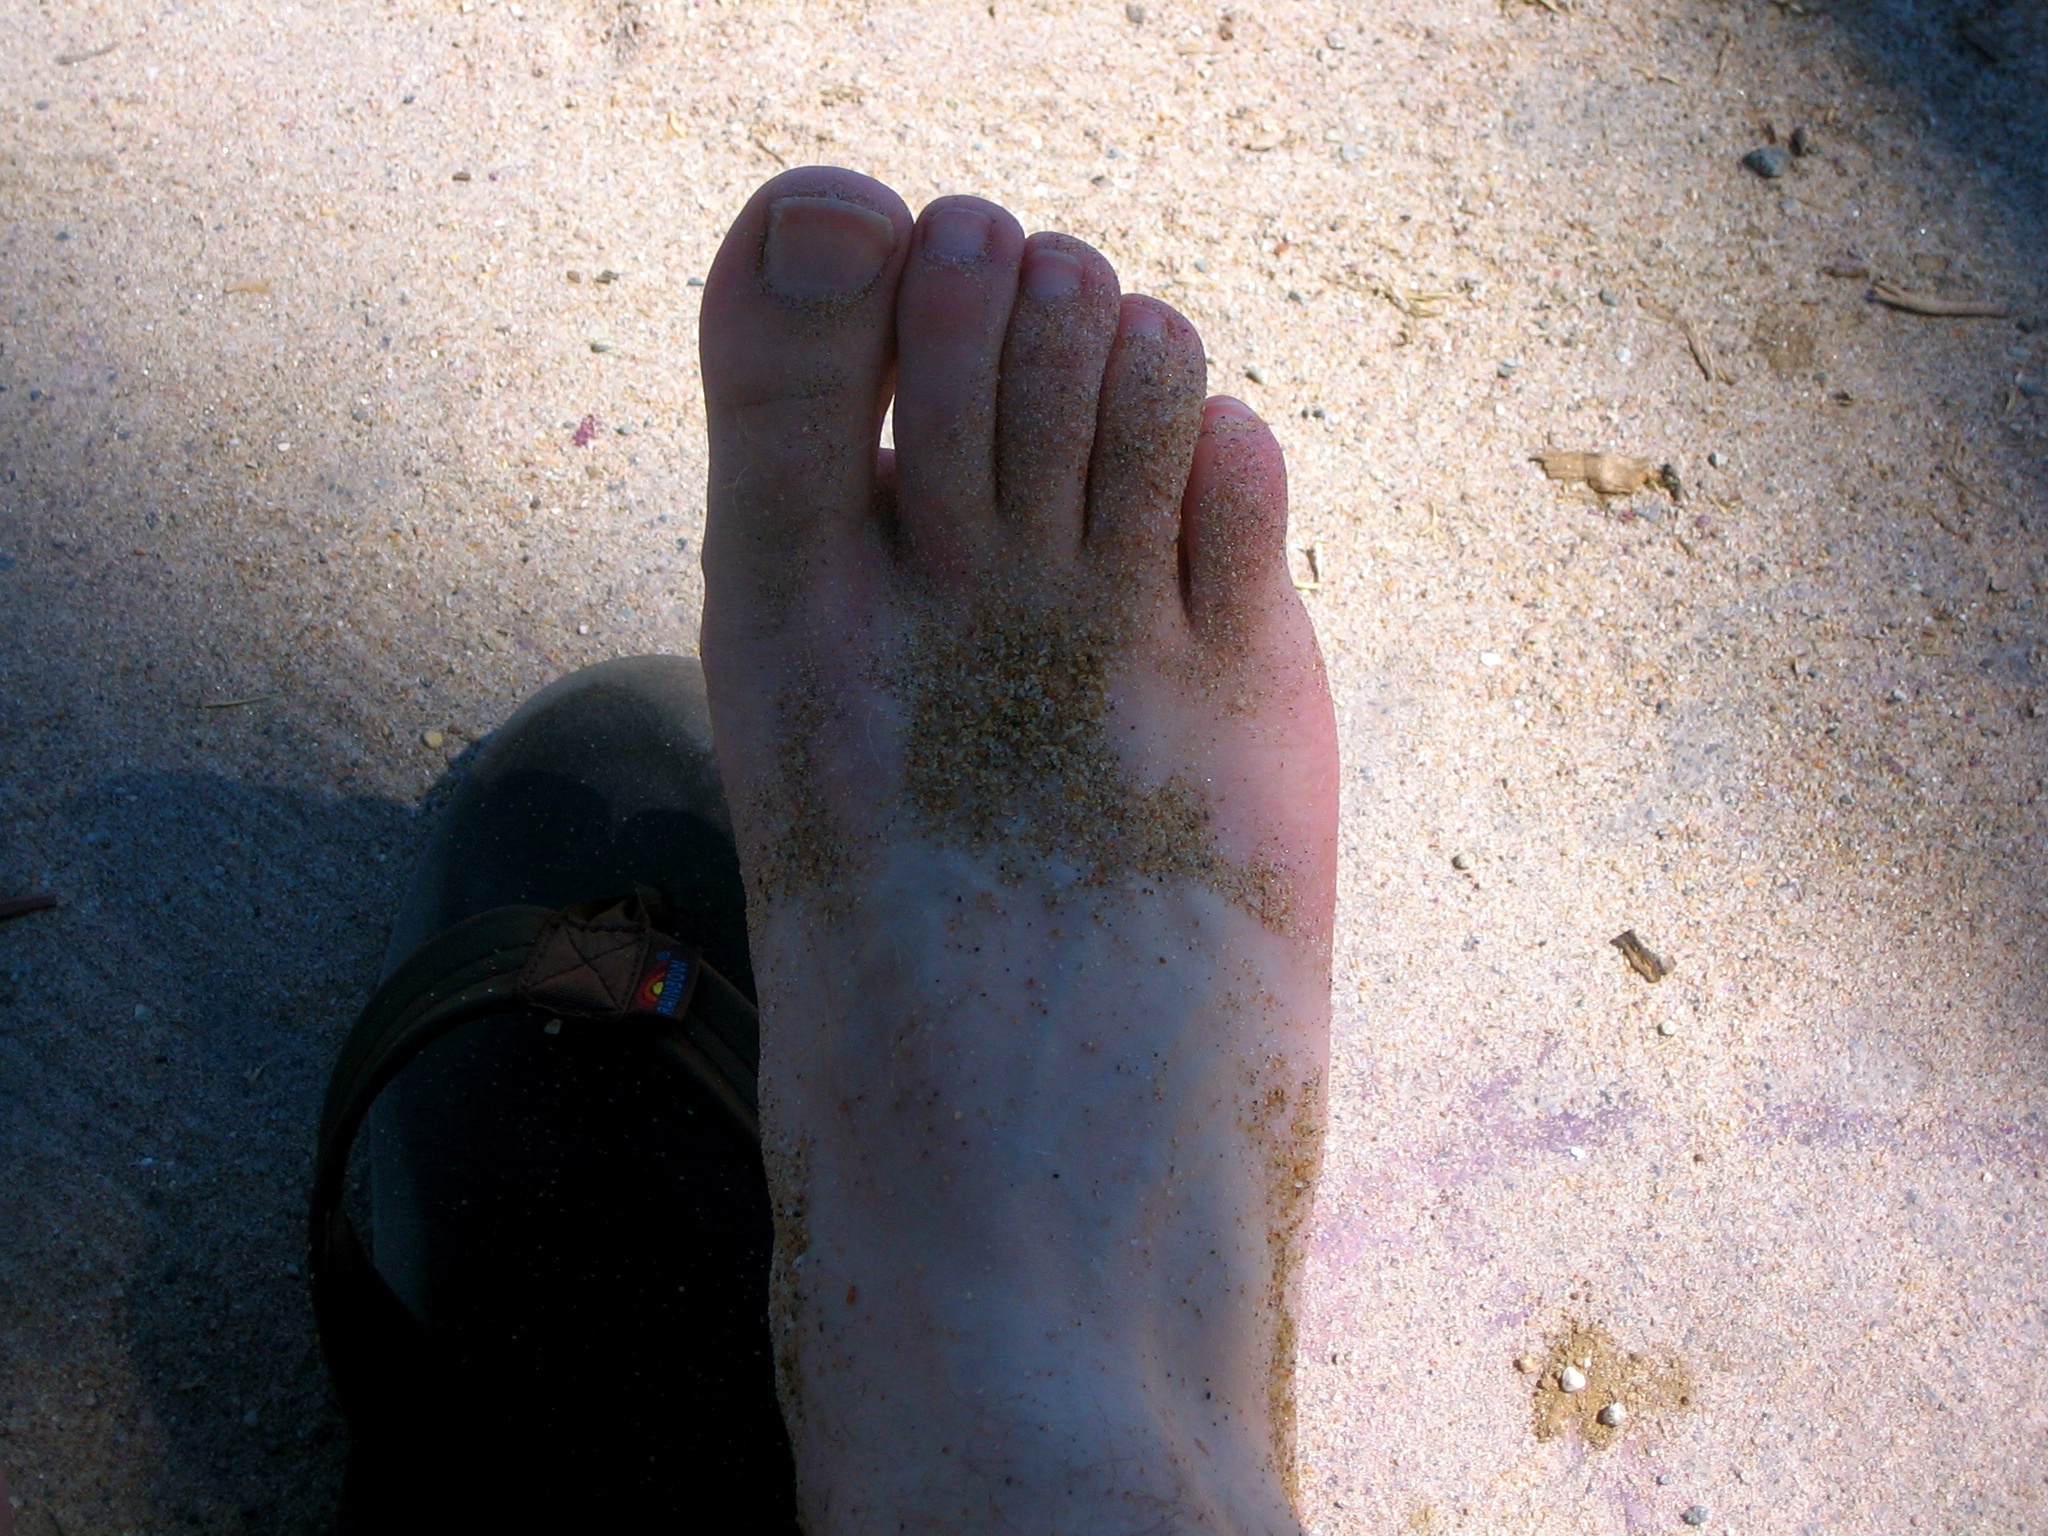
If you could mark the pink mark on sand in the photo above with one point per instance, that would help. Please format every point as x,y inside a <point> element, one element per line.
<point>586,429</point>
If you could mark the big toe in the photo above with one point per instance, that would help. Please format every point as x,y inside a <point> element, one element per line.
<point>798,349</point>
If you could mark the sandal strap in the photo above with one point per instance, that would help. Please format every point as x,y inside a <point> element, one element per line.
<point>605,961</point>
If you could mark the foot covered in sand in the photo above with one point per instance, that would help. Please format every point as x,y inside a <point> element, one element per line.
<point>1032,760</point>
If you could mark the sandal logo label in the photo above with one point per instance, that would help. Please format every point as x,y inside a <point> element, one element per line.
<point>665,984</point>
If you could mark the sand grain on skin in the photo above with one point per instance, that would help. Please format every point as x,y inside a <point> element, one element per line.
<point>1007,748</point>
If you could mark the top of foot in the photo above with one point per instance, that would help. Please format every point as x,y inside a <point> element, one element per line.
<point>1033,769</point>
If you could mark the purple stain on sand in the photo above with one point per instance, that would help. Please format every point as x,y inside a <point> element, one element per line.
<point>586,430</point>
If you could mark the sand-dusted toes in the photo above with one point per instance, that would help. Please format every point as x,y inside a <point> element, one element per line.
<point>1146,425</point>
<point>799,351</point>
<point>952,313</point>
<point>1061,330</point>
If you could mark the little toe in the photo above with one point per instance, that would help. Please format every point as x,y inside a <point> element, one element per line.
<point>1061,329</point>
<point>1233,522</point>
<point>952,312</point>
<point>1146,427</point>
<point>798,348</point>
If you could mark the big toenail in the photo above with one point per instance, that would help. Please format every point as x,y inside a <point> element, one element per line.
<point>1051,274</point>
<point>824,248</point>
<point>957,234</point>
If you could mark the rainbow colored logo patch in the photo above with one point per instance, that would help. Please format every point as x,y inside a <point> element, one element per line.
<point>666,984</point>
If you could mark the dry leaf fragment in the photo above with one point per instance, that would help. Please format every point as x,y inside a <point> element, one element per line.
<point>1927,304</point>
<point>1610,474</point>
<point>1643,960</point>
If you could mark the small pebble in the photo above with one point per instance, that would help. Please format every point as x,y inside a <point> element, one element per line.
<point>573,275</point>
<point>1256,374</point>
<point>1571,1379</point>
<point>1134,13</point>
<point>141,1013</point>
<point>1802,141</point>
<point>1769,161</point>
<point>693,282</point>
<point>1336,40</point>
<point>1896,696</point>
<point>600,346</point>
<point>608,276</point>
<point>1294,296</point>
<point>582,629</point>
<point>1663,1479</point>
<point>1718,459</point>
<point>1461,860</point>
<point>1613,1415</point>
<point>1697,1515</point>
<point>1506,368</point>
<point>552,1027</point>
<point>1610,298</point>
<point>1203,266</point>
<point>1667,1027</point>
<point>1526,1364</point>
<point>434,740</point>
<point>461,176</point>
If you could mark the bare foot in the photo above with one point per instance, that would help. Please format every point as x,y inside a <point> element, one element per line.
<point>1032,757</point>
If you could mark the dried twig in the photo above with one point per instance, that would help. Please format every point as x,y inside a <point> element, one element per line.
<point>1312,555</point>
<point>1702,354</point>
<point>1416,304</point>
<point>254,698</point>
<point>89,53</point>
<point>1926,304</point>
<point>21,906</point>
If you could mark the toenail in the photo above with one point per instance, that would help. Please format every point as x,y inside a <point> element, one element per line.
<point>1051,274</point>
<point>958,234</point>
<point>1143,320</point>
<point>824,248</point>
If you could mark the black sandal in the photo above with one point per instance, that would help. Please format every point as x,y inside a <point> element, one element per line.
<point>564,1319</point>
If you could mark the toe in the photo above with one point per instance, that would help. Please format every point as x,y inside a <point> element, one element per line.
<point>798,346</point>
<point>1233,522</point>
<point>952,312</point>
<point>1061,329</point>
<point>1146,426</point>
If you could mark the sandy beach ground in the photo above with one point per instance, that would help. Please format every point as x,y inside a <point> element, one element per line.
<point>302,307</point>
